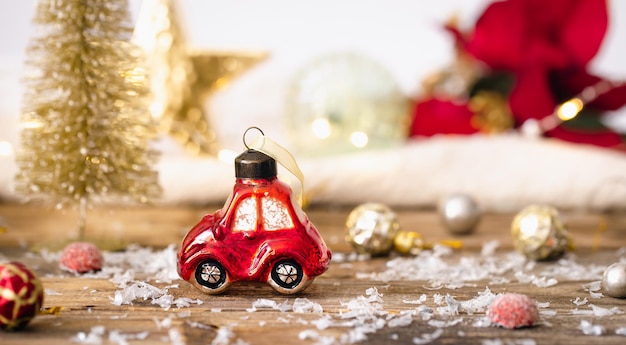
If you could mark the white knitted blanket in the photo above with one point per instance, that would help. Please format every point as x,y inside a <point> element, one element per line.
<point>503,173</point>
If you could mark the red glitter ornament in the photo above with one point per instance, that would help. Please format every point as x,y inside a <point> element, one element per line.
<point>21,295</point>
<point>81,257</point>
<point>513,310</point>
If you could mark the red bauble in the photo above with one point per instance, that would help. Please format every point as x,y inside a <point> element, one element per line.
<point>513,310</point>
<point>260,235</point>
<point>81,257</point>
<point>21,295</point>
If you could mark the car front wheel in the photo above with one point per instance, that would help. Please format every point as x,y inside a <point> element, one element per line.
<point>211,277</point>
<point>287,277</point>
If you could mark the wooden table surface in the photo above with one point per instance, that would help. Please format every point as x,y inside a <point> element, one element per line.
<point>406,310</point>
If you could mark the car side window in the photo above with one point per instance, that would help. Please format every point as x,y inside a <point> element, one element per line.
<point>245,216</point>
<point>275,214</point>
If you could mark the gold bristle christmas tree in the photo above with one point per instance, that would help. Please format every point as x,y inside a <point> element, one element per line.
<point>86,125</point>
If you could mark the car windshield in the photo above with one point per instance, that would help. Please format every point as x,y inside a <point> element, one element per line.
<point>275,215</point>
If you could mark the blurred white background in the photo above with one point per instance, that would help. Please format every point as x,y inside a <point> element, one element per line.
<point>404,36</point>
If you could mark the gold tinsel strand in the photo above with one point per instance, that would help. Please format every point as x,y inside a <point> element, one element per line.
<point>86,129</point>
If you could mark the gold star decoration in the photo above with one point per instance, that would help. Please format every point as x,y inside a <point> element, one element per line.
<point>182,81</point>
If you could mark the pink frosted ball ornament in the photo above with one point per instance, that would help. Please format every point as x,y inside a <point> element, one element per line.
<point>81,257</point>
<point>513,310</point>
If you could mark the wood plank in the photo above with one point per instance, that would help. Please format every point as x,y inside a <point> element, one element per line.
<point>86,301</point>
<point>116,227</point>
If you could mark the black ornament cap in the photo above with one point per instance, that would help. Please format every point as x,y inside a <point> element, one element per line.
<point>255,164</point>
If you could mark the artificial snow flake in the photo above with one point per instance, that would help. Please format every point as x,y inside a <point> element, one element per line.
<point>304,305</point>
<point>443,324</point>
<point>400,321</point>
<point>184,314</point>
<point>223,336</point>
<point>175,337</point>
<point>308,334</point>
<point>117,337</point>
<point>547,312</point>
<point>482,322</point>
<point>580,302</point>
<point>438,299</point>
<point>94,337</point>
<point>264,303</point>
<point>425,312</point>
<point>474,305</point>
<point>323,322</point>
<point>541,282</point>
<point>597,311</point>
<point>367,307</point>
<point>420,300</point>
<point>427,338</point>
<point>478,304</point>
<point>489,248</point>
<point>509,342</point>
<point>590,329</point>
<point>569,268</point>
<point>138,290</point>
<point>199,325</point>
<point>165,323</point>
<point>434,267</point>
<point>440,270</point>
<point>593,289</point>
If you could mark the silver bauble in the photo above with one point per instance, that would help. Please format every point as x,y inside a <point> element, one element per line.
<point>459,213</point>
<point>371,228</point>
<point>614,280</point>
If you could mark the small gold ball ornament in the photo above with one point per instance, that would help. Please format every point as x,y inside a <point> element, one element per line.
<point>614,280</point>
<point>539,233</point>
<point>408,242</point>
<point>371,229</point>
<point>459,213</point>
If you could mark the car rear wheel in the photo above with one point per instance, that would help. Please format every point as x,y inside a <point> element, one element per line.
<point>211,277</point>
<point>287,277</point>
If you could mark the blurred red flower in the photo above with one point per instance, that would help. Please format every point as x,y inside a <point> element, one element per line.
<point>439,116</point>
<point>545,46</point>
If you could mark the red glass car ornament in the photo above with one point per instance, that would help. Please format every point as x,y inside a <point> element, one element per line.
<point>261,234</point>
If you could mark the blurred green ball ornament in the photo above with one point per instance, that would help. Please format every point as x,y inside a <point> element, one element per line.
<point>539,233</point>
<point>371,229</point>
<point>345,102</point>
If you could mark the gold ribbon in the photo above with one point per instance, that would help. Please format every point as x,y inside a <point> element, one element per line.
<point>280,154</point>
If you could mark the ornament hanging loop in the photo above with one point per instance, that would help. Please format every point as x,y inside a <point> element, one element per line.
<point>280,154</point>
<point>246,132</point>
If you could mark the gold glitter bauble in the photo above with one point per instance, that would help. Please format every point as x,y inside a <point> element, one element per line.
<point>371,229</point>
<point>539,233</point>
